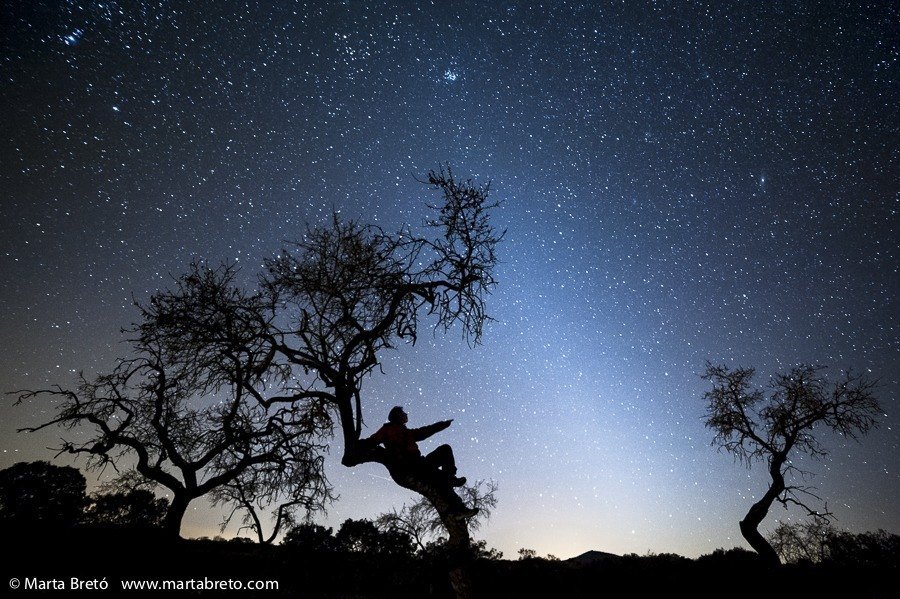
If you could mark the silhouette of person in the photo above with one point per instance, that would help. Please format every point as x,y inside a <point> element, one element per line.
<point>401,445</point>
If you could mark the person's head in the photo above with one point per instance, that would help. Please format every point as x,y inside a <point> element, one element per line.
<point>397,415</point>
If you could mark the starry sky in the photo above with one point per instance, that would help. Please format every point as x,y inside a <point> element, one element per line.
<point>681,182</point>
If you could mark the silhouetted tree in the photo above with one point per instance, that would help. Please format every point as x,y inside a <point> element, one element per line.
<point>330,305</point>
<point>41,495</point>
<point>362,536</point>
<point>730,558</point>
<point>437,550</point>
<point>348,292</point>
<point>482,551</point>
<point>310,537</point>
<point>802,541</point>
<point>272,366</point>
<point>139,508</point>
<point>753,426</point>
<point>421,521</point>
<point>201,404</point>
<point>527,554</point>
<point>873,549</point>
<point>817,541</point>
<point>282,493</point>
<point>415,520</point>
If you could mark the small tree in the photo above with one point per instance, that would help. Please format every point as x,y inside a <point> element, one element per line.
<point>416,520</point>
<point>139,508</point>
<point>41,495</point>
<point>422,523</point>
<point>526,554</point>
<point>201,405</point>
<point>818,542</point>
<point>805,541</point>
<point>310,537</point>
<point>754,427</point>
<point>877,549</point>
<point>283,489</point>
<point>363,536</point>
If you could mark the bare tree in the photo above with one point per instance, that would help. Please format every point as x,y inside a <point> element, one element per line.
<point>417,520</point>
<point>802,541</point>
<point>36,495</point>
<point>200,405</point>
<point>346,293</point>
<point>278,364</point>
<point>817,541</point>
<point>283,491</point>
<point>754,426</point>
<point>422,523</point>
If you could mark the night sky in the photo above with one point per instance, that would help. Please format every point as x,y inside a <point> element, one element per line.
<point>681,182</point>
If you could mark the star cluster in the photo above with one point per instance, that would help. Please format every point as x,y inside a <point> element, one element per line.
<point>681,182</point>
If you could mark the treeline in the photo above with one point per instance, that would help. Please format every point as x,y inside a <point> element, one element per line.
<point>817,541</point>
<point>39,496</point>
<point>399,554</point>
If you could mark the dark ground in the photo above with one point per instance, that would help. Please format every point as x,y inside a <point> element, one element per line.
<point>122,556</point>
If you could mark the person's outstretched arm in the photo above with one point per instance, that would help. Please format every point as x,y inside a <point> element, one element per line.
<point>422,433</point>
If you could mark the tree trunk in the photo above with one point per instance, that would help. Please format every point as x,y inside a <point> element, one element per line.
<point>759,543</point>
<point>174,515</point>
<point>450,508</point>
<point>459,545</point>
<point>758,511</point>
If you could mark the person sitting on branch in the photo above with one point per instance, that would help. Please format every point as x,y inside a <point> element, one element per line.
<point>403,450</point>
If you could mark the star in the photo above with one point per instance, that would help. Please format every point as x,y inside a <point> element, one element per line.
<point>73,37</point>
<point>672,191</point>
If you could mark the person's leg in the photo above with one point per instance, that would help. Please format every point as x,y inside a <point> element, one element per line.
<point>442,460</point>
